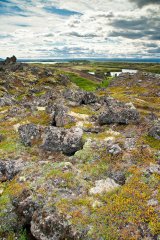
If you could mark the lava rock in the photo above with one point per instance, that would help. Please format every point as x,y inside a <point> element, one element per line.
<point>6,100</point>
<point>61,116</point>
<point>119,113</point>
<point>155,131</point>
<point>47,224</point>
<point>29,134</point>
<point>25,206</point>
<point>10,60</point>
<point>89,97</point>
<point>63,140</point>
<point>118,177</point>
<point>115,149</point>
<point>80,97</point>
<point>7,170</point>
<point>74,96</point>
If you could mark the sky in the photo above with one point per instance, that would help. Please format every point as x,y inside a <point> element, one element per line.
<point>80,28</point>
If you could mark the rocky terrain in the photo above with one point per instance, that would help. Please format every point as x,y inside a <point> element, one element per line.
<point>78,164</point>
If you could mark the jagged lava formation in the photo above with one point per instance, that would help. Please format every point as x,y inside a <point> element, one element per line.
<point>77,164</point>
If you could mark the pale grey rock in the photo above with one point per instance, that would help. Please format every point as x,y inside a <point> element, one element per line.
<point>115,149</point>
<point>152,202</point>
<point>104,185</point>
<point>155,131</point>
<point>7,170</point>
<point>61,116</point>
<point>29,133</point>
<point>129,143</point>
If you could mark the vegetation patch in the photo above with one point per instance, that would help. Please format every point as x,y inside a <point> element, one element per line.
<point>83,83</point>
<point>152,142</point>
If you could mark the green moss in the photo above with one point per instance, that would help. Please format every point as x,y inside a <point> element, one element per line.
<point>23,235</point>
<point>11,143</point>
<point>106,82</point>
<point>70,125</point>
<point>88,125</point>
<point>152,142</point>
<point>20,97</point>
<point>40,94</point>
<point>83,83</point>
<point>126,206</point>
<point>39,117</point>
<point>83,110</point>
<point>4,201</point>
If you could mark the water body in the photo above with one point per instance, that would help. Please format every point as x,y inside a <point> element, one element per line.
<point>52,61</point>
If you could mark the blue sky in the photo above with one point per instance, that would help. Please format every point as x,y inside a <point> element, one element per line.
<point>82,28</point>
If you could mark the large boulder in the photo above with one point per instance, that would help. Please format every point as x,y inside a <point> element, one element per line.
<point>29,134</point>
<point>63,140</point>
<point>80,97</point>
<point>74,96</point>
<point>155,131</point>
<point>114,149</point>
<point>7,170</point>
<point>11,64</point>
<point>25,205</point>
<point>47,224</point>
<point>6,100</point>
<point>119,113</point>
<point>61,116</point>
<point>89,98</point>
<point>10,60</point>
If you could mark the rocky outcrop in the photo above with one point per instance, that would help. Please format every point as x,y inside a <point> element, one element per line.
<point>114,149</point>
<point>47,224</point>
<point>117,112</point>
<point>63,140</point>
<point>29,134</point>
<point>80,97</point>
<point>6,100</point>
<point>25,206</point>
<point>10,60</point>
<point>10,168</point>
<point>11,64</point>
<point>155,131</point>
<point>7,170</point>
<point>89,98</point>
<point>61,116</point>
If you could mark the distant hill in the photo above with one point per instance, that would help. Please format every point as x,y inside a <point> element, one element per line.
<point>85,60</point>
<point>1,59</point>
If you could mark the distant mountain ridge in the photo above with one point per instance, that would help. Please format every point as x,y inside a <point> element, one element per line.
<point>136,60</point>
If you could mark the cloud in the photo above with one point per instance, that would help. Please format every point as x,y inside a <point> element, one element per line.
<point>128,34</point>
<point>89,28</point>
<point>155,50</point>
<point>142,3</point>
<point>83,35</point>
